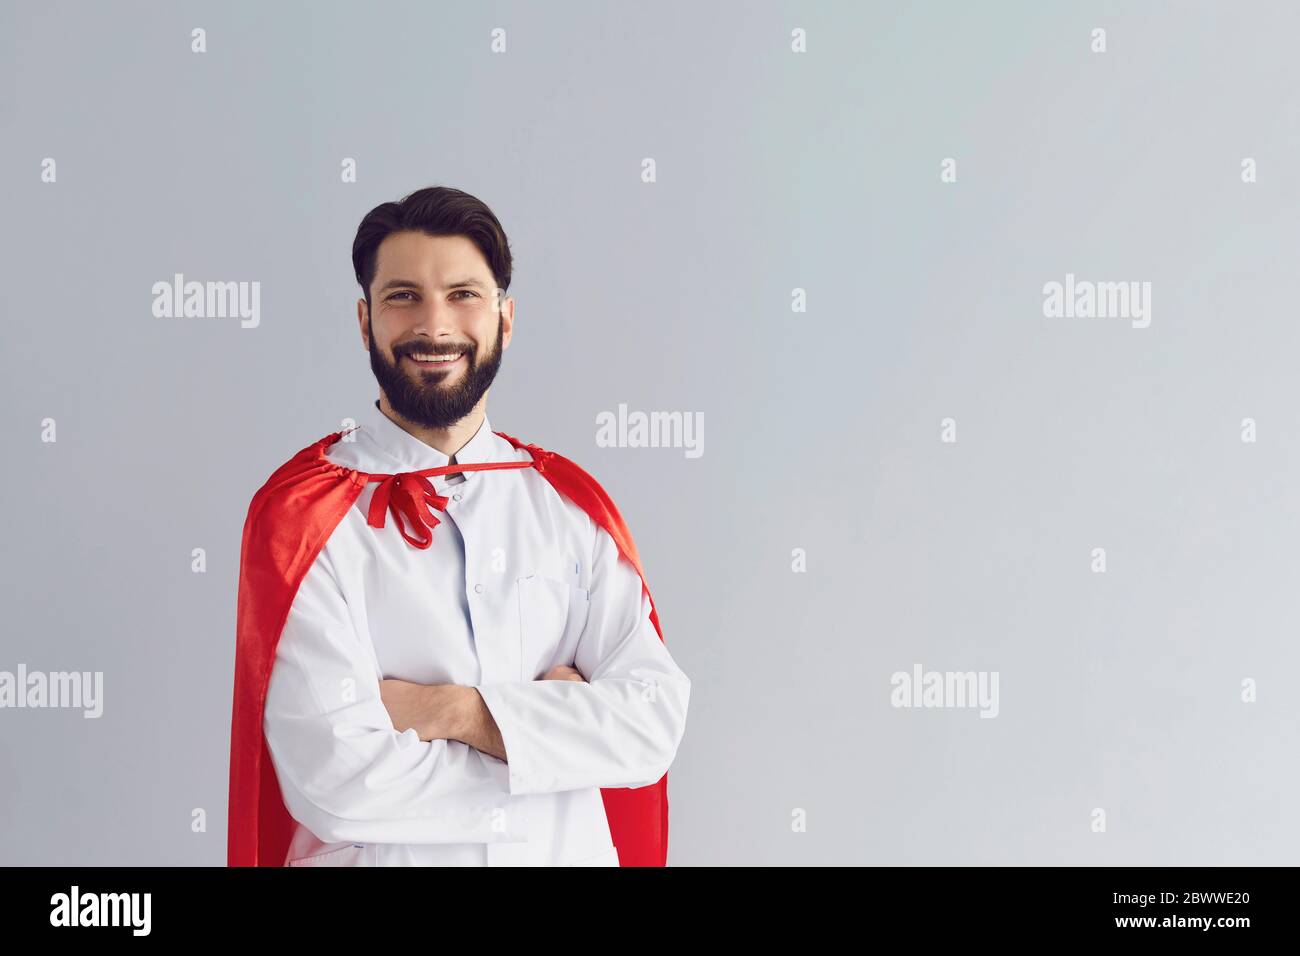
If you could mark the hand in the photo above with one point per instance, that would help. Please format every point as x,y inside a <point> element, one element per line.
<point>432,709</point>
<point>563,672</point>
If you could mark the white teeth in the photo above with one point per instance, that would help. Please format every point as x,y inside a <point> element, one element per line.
<point>436,358</point>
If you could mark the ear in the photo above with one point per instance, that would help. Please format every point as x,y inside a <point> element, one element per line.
<point>363,322</point>
<point>507,321</point>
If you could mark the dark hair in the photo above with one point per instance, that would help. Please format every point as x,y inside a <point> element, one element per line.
<point>434,211</point>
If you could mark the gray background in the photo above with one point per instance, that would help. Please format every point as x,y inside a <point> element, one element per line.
<point>775,171</point>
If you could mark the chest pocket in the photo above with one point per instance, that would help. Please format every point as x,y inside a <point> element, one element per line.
<point>552,615</point>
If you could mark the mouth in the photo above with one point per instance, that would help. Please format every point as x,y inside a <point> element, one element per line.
<point>433,361</point>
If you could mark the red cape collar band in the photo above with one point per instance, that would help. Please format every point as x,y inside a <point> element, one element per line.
<point>411,497</point>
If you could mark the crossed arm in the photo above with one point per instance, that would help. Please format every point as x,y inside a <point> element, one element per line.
<point>451,711</point>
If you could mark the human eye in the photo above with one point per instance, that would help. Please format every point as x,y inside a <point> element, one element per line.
<point>396,294</point>
<point>466,291</point>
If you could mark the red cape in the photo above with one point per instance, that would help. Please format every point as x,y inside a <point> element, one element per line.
<point>289,520</point>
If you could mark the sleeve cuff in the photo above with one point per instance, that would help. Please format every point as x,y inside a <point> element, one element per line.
<point>521,777</point>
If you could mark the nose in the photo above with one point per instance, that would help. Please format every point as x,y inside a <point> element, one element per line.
<point>438,324</point>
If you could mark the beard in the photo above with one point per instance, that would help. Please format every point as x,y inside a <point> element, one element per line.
<point>421,396</point>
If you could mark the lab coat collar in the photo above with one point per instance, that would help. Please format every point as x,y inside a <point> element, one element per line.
<point>408,453</point>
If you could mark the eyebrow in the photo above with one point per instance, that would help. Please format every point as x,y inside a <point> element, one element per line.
<point>413,284</point>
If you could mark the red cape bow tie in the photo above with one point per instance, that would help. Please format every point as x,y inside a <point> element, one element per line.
<point>409,495</point>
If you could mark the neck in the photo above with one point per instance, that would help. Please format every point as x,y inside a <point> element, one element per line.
<point>447,440</point>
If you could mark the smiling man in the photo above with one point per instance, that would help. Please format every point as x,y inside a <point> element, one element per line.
<point>447,652</point>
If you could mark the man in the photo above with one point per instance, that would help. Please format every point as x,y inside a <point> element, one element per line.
<point>470,667</point>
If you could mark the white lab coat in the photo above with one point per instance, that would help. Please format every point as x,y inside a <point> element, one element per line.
<point>517,579</point>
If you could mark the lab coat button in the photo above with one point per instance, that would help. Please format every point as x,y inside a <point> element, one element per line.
<point>456,496</point>
<point>478,589</point>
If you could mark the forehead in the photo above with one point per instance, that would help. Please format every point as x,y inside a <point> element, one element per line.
<point>414,255</point>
